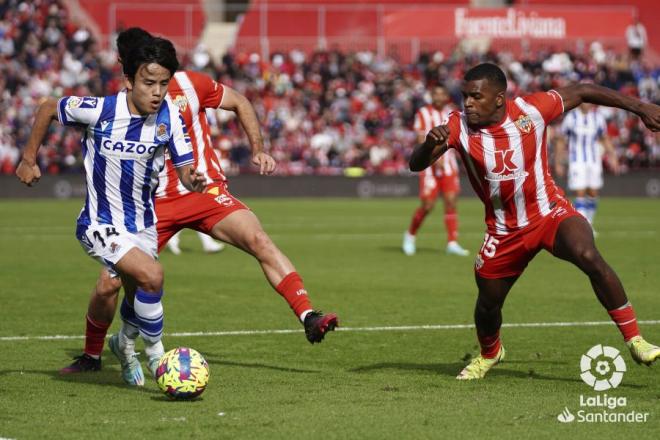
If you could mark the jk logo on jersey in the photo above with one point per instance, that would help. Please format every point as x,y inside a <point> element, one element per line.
<point>505,168</point>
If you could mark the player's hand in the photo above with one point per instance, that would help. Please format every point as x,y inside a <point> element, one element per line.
<point>28,173</point>
<point>197,180</point>
<point>437,136</point>
<point>265,162</point>
<point>650,115</point>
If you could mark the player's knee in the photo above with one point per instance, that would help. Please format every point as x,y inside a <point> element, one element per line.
<point>151,278</point>
<point>589,258</point>
<point>487,306</point>
<point>108,288</point>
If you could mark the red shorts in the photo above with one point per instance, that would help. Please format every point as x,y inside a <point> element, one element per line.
<point>507,255</point>
<point>198,211</point>
<point>431,186</point>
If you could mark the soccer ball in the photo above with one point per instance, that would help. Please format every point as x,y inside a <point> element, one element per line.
<point>182,373</point>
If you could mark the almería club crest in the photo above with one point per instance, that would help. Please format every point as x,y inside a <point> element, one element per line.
<point>181,102</point>
<point>524,124</point>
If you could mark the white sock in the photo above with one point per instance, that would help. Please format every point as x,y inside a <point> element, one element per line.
<point>127,336</point>
<point>303,315</point>
<point>207,241</point>
<point>175,240</point>
<point>154,350</point>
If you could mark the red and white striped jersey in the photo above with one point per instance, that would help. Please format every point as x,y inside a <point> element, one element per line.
<point>507,163</point>
<point>426,118</point>
<point>193,93</point>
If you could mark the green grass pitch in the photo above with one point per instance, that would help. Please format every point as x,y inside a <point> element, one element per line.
<point>369,381</point>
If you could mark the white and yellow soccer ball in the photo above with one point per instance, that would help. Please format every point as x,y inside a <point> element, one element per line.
<point>182,373</point>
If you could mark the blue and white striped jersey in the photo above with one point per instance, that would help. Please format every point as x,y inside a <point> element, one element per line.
<point>584,132</point>
<point>123,155</point>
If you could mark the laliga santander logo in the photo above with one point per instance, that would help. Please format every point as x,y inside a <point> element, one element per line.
<point>602,367</point>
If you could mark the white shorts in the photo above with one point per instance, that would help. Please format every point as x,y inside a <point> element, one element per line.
<point>585,175</point>
<point>108,244</point>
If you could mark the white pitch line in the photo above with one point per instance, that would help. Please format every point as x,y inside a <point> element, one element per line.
<point>344,329</point>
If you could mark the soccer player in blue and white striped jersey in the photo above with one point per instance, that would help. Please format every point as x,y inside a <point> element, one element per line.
<point>124,145</point>
<point>584,130</point>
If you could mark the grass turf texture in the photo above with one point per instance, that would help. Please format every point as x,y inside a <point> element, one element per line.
<point>356,384</point>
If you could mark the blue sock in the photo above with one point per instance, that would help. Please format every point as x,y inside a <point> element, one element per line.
<point>149,314</point>
<point>591,204</point>
<point>581,206</point>
<point>127,314</point>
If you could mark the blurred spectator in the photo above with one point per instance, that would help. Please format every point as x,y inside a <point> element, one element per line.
<point>636,37</point>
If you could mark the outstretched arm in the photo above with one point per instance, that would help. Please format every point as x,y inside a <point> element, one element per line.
<point>574,95</point>
<point>433,147</point>
<point>237,103</point>
<point>28,171</point>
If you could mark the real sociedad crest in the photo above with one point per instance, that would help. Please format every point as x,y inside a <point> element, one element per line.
<point>524,123</point>
<point>181,102</point>
<point>161,132</point>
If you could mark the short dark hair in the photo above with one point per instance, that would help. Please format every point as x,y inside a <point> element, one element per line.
<point>488,71</point>
<point>130,38</point>
<point>157,50</point>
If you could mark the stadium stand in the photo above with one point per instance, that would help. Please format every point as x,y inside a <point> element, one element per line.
<point>322,111</point>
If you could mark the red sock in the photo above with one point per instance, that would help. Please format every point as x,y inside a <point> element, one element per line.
<point>490,345</point>
<point>417,220</point>
<point>95,333</point>
<point>292,289</point>
<point>625,319</point>
<point>451,224</point>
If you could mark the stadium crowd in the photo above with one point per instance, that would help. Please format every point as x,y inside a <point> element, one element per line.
<point>322,113</point>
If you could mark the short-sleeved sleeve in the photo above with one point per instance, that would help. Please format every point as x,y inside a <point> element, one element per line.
<point>209,91</point>
<point>179,144</point>
<point>417,125</point>
<point>79,111</point>
<point>549,104</point>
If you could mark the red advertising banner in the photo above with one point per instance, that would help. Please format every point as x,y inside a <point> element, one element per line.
<point>512,23</point>
<point>407,29</point>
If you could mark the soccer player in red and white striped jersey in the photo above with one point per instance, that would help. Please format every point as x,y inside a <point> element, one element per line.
<point>502,144</point>
<point>215,212</point>
<point>439,178</point>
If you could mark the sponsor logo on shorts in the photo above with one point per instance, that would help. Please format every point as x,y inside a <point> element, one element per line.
<point>225,200</point>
